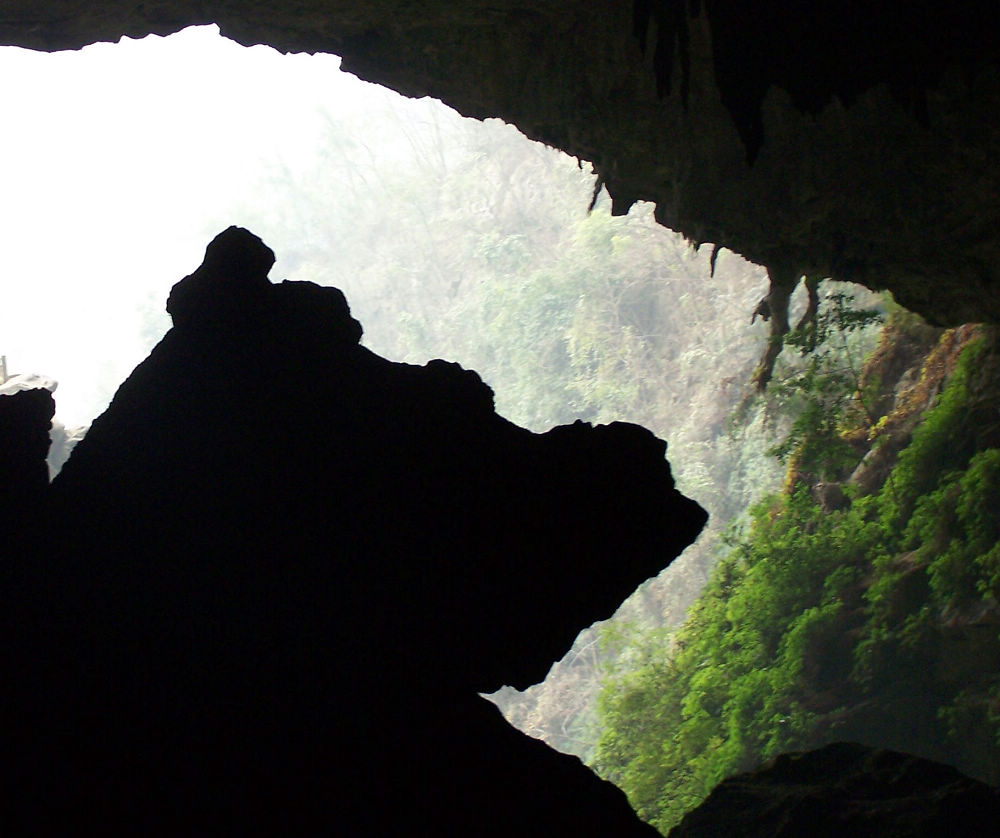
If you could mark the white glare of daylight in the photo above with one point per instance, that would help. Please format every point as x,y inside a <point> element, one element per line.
<point>118,163</point>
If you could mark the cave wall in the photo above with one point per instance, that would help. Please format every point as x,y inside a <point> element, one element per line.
<point>853,140</point>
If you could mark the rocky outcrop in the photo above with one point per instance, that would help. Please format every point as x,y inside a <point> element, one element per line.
<point>24,446</point>
<point>856,140</point>
<point>846,789</point>
<point>908,375</point>
<point>282,570</point>
<point>25,419</point>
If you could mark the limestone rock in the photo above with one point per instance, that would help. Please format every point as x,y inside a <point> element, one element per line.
<point>846,789</point>
<point>232,276</point>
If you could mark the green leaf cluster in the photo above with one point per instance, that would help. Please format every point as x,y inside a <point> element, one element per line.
<point>864,622</point>
<point>824,395</point>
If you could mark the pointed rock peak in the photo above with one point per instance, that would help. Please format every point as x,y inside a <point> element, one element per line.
<point>230,290</point>
<point>238,255</point>
<point>233,272</point>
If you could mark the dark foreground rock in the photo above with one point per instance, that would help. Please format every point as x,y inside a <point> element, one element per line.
<point>846,789</point>
<point>284,568</point>
<point>25,419</point>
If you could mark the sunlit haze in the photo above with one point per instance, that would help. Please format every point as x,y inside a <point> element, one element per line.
<point>450,238</point>
<point>118,163</point>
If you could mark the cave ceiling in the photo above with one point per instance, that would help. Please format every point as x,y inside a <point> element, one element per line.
<point>857,140</point>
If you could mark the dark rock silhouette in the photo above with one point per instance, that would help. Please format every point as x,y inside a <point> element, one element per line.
<point>25,419</point>
<point>845,789</point>
<point>23,439</point>
<point>281,568</point>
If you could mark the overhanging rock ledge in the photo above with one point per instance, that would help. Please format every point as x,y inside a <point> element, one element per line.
<point>852,139</point>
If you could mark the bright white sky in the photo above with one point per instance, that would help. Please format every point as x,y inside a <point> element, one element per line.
<point>118,163</point>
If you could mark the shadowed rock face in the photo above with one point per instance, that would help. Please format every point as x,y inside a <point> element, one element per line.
<point>25,419</point>
<point>846,789</point>
<point>857,139</point>
<point>283,567</point>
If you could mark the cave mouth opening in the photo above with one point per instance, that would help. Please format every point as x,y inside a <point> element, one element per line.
<point>450,237</point>
<point>120,162</point>
<point>125,159</point>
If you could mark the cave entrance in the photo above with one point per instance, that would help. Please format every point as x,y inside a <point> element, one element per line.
<point>119,151</point>
<point>450,237</point>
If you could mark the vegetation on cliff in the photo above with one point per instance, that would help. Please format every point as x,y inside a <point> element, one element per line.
<point>463,241</point>
<point>567,314</point>
<point>860,602</point>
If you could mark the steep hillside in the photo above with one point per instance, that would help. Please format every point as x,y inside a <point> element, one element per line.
<point>859,603</point>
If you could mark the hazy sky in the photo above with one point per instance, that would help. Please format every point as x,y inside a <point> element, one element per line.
<point>118,163</point>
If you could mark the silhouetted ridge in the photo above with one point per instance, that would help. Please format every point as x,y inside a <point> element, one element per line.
<point>283,568</point>
<point>231,288</point>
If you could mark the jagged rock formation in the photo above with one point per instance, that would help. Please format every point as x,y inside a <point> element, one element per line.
<point>25,442</point>
<point>25,419</point>
<point>857,140</point>
<point>845,789</point>
<point>280,570</point>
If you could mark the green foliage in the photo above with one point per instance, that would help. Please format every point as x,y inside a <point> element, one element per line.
<point>825,393</point>
<point>449,244</point>
<point>956,531</point>
<point>943,441</point>
<point>458,239</point>
<point>730,695</point>
<point>819,625</point>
